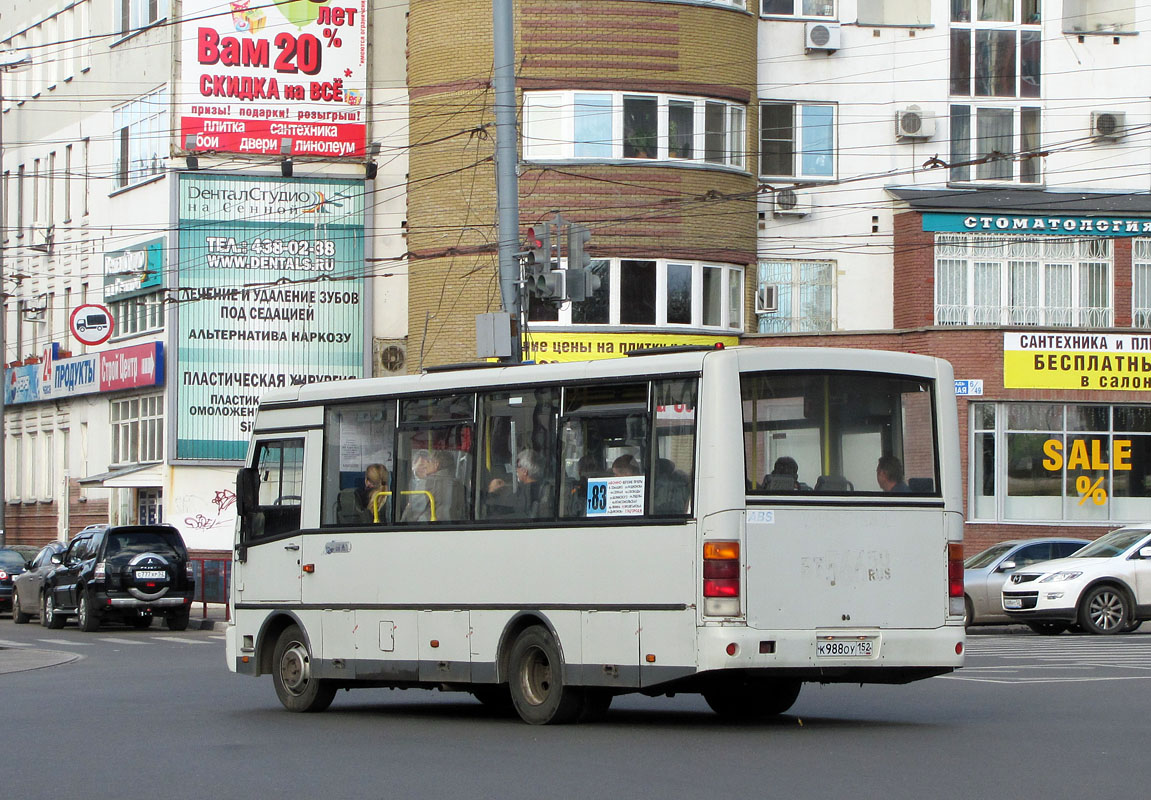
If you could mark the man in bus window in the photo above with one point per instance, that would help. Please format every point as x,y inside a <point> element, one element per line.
<point>625,465</point>
<point>434,479</point>
<point>532,496</point>
<point>889,475</point>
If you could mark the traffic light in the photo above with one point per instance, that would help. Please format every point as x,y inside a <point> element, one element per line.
<point>582,282</point>
<point>541,280</point>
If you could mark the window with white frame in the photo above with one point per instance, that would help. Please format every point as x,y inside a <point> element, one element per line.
<point>601,126</point>
<point>1141,283</point>
<point>138,429</point>
<point>1026,280</point>
<point>139,314</point>
<point>141,13</point>
<point>797,140</point>
<point>140,138</point>
<point>654,292</point>
<point>804,292</point>
<point>1004,140</point>
<point>995,48</point>
<point>797,8</point>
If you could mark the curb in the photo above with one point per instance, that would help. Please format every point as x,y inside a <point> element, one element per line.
<point>21,659</point>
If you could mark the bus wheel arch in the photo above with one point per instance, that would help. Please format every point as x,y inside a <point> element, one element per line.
<point>298,688</point>
<point>516,626</point>
<point>537,680</point>
<point>269,635</point>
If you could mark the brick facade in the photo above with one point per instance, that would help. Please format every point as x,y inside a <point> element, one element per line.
<point>640,210</point>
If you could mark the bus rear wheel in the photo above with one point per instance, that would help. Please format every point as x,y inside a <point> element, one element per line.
<point>296,687</point>
<point>536,674</point>
<point>750,700</point>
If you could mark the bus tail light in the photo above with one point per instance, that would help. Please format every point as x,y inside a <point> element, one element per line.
<point>721,576</point>
<point>955,578</point>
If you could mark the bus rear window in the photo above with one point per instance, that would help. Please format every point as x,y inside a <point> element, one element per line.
<point>839,433</point>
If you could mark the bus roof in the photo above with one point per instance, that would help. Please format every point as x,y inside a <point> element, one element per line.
<point>748,357</point>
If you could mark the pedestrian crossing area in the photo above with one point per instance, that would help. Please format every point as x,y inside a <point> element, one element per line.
<point>89,641</point>
<point>1051,659</point>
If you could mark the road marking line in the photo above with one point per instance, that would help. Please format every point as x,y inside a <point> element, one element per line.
<point>6,643</point>
<point>117,640</point>
<point>69,642</point>
<point>179,639</point>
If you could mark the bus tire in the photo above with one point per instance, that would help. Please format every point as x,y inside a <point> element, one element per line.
<point>496,697</point>
<point>536,673</point>
<point>296,687</point>
<point>596,704</point>
<point>749,700</point>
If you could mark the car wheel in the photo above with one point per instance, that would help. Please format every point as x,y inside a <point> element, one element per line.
<point>536,680</point>
<point>142,621</point>
<point>1048,628</point>
<point>18,614</point>
<point>1132,626</point>
<point>49,616</point>
<point>968,612</point>
<point>749,700</point>
<point>1104,610</point>
<point>86,616</point>
<point>177,621</point>
<point>296,687</point>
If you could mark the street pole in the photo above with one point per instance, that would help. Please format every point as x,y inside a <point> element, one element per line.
<point>9,62</point>
<point>507,181</point>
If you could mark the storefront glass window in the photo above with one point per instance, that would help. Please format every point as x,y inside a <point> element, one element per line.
<point>1056,462</point>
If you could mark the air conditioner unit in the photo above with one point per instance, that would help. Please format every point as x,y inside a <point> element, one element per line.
<point>391,356</point>
<point>914,123</point>
<point>767,299</point>
<point>1107,126</point>
<point>790,203</point>
<point>36,310</point>
<point>822,37</point>
<point>42,238</point>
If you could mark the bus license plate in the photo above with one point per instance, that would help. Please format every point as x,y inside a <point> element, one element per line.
<point>151,575</point>
<point>843,649</point>
<point>1012,602</point>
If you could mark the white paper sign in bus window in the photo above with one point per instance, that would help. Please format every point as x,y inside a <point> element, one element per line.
<point>615,496</point>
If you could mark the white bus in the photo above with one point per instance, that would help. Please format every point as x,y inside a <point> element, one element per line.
<point>731,522</point>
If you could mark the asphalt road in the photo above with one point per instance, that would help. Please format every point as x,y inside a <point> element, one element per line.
<point>137,713</point>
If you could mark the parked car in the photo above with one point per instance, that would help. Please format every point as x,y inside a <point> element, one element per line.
<point>126,572</point>
<point>28,584</point>
<point>1104,588</point>
<point>11,565</point>
<point>984,574</point>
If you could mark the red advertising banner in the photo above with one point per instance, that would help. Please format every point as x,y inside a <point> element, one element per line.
<point>131,367</point>
<point>287,78</point>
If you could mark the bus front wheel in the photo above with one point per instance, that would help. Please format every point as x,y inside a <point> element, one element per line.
<point>536,680</point>
<point>296,686</point>
<point>748,700</point>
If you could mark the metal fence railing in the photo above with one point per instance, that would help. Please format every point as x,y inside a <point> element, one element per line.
<point>213,579</point>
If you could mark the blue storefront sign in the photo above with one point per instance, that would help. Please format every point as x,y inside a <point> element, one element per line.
<point>1048,224</point>
<point>134,270</point>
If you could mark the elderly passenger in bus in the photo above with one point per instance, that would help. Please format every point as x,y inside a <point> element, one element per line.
<point>434,478</point>
<point>889,475</point>
<point>532,496</point>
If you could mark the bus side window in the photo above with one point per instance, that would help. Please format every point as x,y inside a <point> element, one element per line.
<point>358,464</point>
<point>674,442</point>
<point>280,473</point>
<point>518,461</point>
<point>434,460</point>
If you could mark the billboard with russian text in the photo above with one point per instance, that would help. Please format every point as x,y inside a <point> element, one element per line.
<point>286,78</point>
<point>1076,360</point>
<point>271,294</point>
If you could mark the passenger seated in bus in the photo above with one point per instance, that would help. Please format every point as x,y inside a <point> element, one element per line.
<point>625,465</point>
<point>356,505</point>
<point>588,466</point>
<point>672,491</point>
<point>784,477</point>
<point>432,477</point>
<point>889,475</point>
<point>531,498</point>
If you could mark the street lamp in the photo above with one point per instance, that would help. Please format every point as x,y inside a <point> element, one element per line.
<point>10,61</point>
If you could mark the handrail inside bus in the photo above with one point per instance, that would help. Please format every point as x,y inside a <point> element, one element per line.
<point>385,495</point>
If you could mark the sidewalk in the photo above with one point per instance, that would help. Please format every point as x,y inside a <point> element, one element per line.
<point>208,617</point>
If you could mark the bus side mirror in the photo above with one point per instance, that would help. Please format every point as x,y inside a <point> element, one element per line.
<point>247,490</point>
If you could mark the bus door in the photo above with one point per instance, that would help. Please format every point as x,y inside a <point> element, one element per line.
<point>269,546</point>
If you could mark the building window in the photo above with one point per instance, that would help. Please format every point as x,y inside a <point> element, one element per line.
<point>141,13</point>
<point>1005,142</point>
<point>139,314</point>
<point>894,12</point>
<point>797,8</point>
<point>138,430</point>
<point>1027,280</point>
<point>609,125</point>
<point>654,292</point>
<point>1060,462</point>
<point>1141,283</point>
<point>803,292</point>
<point>141,138</point>
<point>797,140</point>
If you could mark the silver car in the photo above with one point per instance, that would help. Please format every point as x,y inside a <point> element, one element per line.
<point>985,573</point>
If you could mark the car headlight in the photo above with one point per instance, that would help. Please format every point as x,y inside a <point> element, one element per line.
<point>1060,576</point>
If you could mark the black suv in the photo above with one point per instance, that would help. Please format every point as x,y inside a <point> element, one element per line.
<point>129,572</point>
